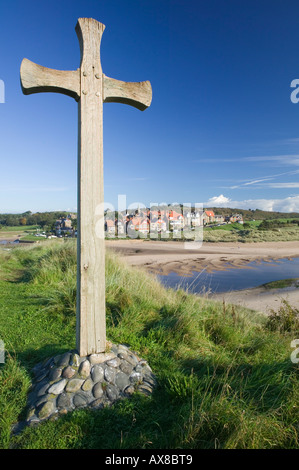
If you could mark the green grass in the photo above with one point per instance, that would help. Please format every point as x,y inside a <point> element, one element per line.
<point>281,284</point>
<point>32,238</point>
<point>227,227</point>
<point>250,235</point>
<point>18,228</point>
<point>225,379</point>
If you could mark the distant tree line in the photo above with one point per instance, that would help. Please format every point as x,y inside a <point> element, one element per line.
<point>41,219</point>
<point>270,224</point>
<point>254,214</point>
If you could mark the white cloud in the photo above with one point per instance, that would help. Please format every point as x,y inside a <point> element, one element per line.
<point>218,200</point>
<point>279,160</point>
<point>262,181</point>
<point>288,204</point>
<point>282,185</point>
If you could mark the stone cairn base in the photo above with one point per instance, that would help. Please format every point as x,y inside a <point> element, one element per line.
<point>68,381</point>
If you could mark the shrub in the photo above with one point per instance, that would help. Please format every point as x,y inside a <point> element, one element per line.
<point>286,319</point>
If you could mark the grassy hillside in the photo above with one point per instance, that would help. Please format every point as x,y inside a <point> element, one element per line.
<point>255,214</point>
<point>251,232</point>
<point>225,378</point>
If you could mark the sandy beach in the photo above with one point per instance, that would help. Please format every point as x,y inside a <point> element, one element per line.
<point>165,257</point>
<point>260,299</point>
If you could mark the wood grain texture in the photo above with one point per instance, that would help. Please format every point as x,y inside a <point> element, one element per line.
<point>90,87</point>
<point>137,94</point>
<point>91,319</point>
<point>37,79</point>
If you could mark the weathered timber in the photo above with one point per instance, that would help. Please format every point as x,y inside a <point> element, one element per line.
<point>90,88</point>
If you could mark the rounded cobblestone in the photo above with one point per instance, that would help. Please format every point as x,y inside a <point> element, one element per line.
<point>67,381</point>
<point>97,373</point>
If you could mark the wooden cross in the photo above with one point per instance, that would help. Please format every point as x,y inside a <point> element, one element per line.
<point>90,88</point>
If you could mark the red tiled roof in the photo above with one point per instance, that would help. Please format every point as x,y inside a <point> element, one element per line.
<point>210,213</point>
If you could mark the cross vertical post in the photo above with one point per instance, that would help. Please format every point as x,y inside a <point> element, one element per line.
<point>90,88</point>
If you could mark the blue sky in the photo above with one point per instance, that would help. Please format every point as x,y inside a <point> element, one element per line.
<point>221,129</point>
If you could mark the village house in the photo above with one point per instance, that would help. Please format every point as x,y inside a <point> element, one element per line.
<point>120,227</point>
<point>231,219</point>
<point>157,225</point>
<point>176,220</point>
<point>137,224</point>
<point>208,217</point>
<point>110,227</point>
<point>196,219</point>
<point>63,226</point>
<point>143,226</point>
<point>219,219</point>
<point>157,221</point>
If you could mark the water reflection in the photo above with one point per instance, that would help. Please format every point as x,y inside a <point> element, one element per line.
<point>253,274</point>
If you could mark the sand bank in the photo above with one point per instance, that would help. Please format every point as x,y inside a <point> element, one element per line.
<point>260,299</point>
<point>165,257</point>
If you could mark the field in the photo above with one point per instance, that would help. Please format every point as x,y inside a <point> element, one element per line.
<point>7,233</point>
<point>225,233</point>
<point>225,378</point>
<point>250,233</point>
<point>23,233</point>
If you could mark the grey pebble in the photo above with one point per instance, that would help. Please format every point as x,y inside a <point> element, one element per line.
<point>129,390</point>
<point>98,403</point>
<point>113,362</point>
<point>68,372</point>
<point>64,359</point>
<point>42,390</point>
<point>112,392</point>
<point>41,400</point>
<point>97,373</point>
<point>57,387</point>
<point>74,385</point>
<point>74,360</point>
<point>81,399</point>
<point>140,368</point>
<point>97,390</point>
<point>100,357</point>
<point>46,410</point>
<point>135,377</point>
<point>110,375</point>
<point>55,374</point>
<point>132,359</point>
<point>87,385</point>
<point>122,380</point>
<point>126,368</point>
<point>64,400</point>
<point>84,369</point>
<point>69,381</point>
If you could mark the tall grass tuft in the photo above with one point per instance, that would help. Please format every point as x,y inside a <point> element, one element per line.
<point>225,379</point>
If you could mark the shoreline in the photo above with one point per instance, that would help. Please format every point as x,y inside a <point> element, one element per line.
<point>259,298</point>
<point>162,258</point>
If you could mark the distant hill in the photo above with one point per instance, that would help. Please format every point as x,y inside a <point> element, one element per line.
<point>254,214</point>
<point>248,214</point>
